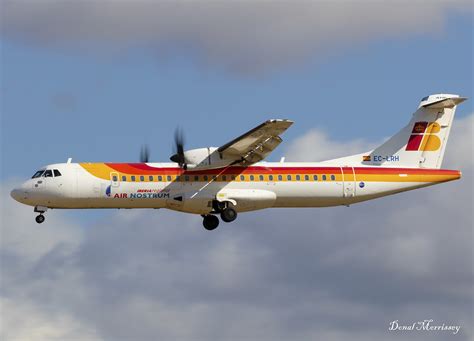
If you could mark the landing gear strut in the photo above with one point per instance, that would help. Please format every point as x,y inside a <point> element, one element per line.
<point>39,219</point>
<point>210,222</point>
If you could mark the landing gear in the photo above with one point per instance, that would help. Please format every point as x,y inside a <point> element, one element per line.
<point>228,214</point>
<point>210,222</point>
<point>226,210</point>
<point>40,209</point>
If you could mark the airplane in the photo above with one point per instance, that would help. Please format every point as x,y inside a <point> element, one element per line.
<point>233,178</point>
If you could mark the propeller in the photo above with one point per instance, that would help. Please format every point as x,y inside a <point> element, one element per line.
<point>179,157</point>
<point>144,154</point>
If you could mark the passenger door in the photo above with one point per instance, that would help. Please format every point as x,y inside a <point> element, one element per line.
<point>349,180</point>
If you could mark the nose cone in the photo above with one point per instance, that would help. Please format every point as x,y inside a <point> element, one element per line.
<point>19,195</point>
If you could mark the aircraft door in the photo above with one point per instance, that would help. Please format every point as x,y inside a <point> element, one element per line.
<point>114,179</point>
<point>349,181</point>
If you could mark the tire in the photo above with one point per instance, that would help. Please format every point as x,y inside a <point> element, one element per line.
<point>39,219</point>
<point>229,215</point>
<point>210,222</point>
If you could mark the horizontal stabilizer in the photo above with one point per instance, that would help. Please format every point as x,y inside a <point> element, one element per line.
<point>442,102</point>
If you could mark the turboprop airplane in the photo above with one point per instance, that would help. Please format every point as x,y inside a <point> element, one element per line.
<point>231,179</point>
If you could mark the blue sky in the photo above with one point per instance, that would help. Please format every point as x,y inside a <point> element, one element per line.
<point>102,107</point>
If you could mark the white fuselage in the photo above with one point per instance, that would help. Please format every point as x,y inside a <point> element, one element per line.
<point>261,186</point>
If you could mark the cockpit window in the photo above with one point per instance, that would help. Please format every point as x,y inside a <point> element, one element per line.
<point>48,173</point>
<point>424,98</point>
<point>56,172</point>
<point>38,174</point>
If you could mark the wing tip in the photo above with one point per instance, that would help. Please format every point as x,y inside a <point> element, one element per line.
<point>277,120</point>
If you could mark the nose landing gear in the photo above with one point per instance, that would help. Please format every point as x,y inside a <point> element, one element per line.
<point>40,209</point>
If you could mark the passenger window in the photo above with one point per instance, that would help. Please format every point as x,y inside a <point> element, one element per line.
<point>252,178</point>
<point>142,178</point>
<point>270,177</point>
<point>224,178</point>
<point>56,172</point>
<point>178,178</point>
<point>280,178</point>
<point>133,177</point>
<point>205,178</point>
<point>324,177</point>
<point>233,177</point>
<point>160,178</point>
<point>196,178</point>
<point>333,177</point>
<point>288,177</point>
<point>315,177</point>
<point>306,177</point>
<point>242,178</point>
<point>168,178</point>
<point>150,178</point>
<point>260,177</point>
<point>124,178</point>
<point>186,178</point>
<point>37,174</point>
<point>298,178</point>
<point>115,178</point>
<point>48,173</point>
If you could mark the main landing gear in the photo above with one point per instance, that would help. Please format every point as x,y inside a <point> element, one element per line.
<point>227,212</point>
<point>40,218</point>
<point>210,222</point>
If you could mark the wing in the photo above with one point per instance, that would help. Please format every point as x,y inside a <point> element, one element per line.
<point>256,144</point>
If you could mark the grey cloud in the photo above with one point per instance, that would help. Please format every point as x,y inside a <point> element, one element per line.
<point>239,36</point>
<point>336,273</point>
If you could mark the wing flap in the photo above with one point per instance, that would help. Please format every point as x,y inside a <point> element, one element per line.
<point>256,144</point>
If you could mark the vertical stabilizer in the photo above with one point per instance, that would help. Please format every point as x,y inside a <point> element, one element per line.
<point>423,141</point>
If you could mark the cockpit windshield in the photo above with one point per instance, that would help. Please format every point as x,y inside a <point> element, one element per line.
<point>47,173</point>
<point>38,174</point>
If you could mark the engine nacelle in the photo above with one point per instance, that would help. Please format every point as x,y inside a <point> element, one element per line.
<point>205,158</point>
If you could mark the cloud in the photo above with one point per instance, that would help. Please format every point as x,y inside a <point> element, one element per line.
<point>241,36</point>
<point>300,274</point>
<point>316,145</point>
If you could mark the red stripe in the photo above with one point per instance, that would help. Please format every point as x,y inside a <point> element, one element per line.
<point>143,169</point>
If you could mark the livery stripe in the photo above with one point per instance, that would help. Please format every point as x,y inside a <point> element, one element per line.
<point>370,174</point>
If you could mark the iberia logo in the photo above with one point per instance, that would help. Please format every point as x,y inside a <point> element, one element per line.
<point>424,137</point>
<point>107,191</point>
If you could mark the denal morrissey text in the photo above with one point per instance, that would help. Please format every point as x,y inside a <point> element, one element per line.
<point>425,325</point>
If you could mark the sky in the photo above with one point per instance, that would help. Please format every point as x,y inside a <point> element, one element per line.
<point>94,80</point>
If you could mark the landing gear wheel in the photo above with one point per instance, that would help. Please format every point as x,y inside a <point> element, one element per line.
<point>228,214</point>
<point>210,222</point>
<point>39,219</point>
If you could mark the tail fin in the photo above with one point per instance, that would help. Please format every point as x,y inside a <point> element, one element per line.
<point>423,141</point>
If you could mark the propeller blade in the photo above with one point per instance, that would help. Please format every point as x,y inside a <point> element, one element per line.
<point>179,157</point>
<point>144,154</point>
